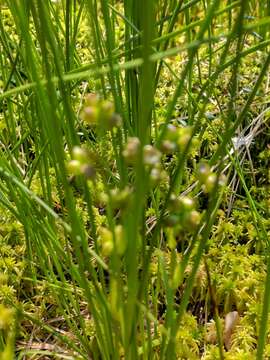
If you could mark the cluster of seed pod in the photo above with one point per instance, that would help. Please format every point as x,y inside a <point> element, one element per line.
<point>208,179</point>
<point>151,158</point>
<point>81,164</point>
<point>177,139</point>
<point>182,213</point>
<point>118,198</point>
<point>99,112</point>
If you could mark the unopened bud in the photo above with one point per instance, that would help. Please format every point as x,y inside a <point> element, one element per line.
<point>181,203</point>
<point>107,108</point>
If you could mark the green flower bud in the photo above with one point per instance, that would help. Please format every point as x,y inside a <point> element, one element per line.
<point>106,112</point>
<point>107,248</point>
<point>98,112</point>
<point>222,180</point>
<point>174,203</point>
<point>115,121</point>
<point>80,163</point>
<point>106,109</point>
<point>107,243</point>
<point>103,198</point>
